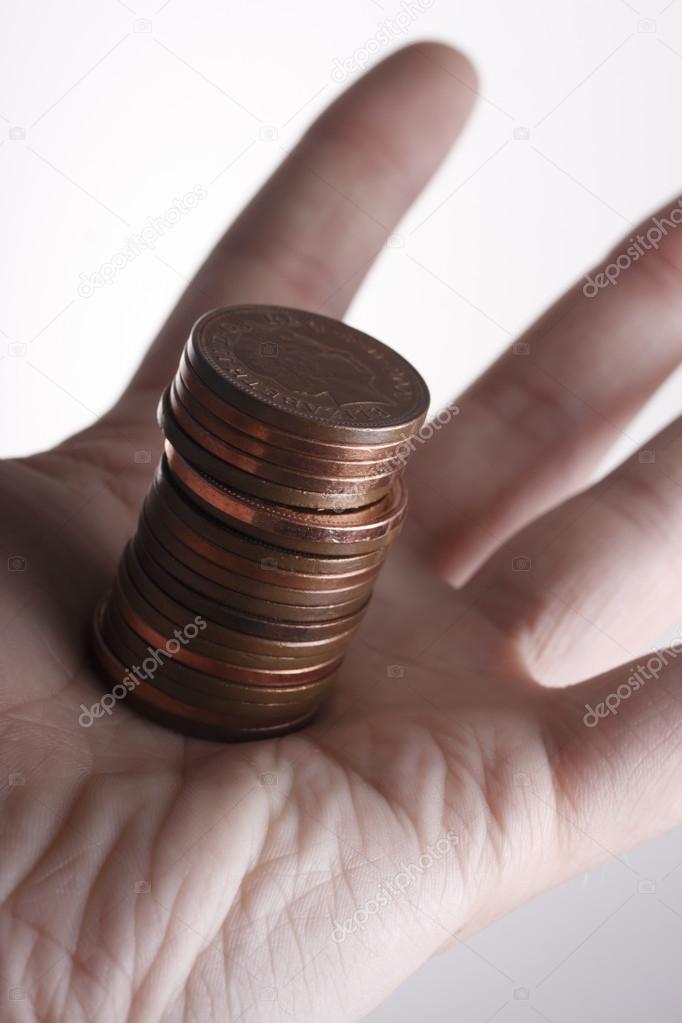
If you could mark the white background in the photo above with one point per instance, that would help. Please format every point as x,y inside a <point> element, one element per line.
<point>108,111</point>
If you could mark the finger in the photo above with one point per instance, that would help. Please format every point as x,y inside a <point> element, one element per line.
<point>617,756</point>
<point>534,427</point>
<point>310,235</point>
<point>596,580</point>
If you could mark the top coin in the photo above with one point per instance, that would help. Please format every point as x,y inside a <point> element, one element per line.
<point>308,374</point>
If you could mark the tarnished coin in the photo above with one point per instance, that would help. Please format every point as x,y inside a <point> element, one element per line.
<point>269,434</point>
<point>256,625</point>
<point>141,662</point>
<point>264,479</point>
<point>217,668</point>
<point>165,491</point>
<point>203,405</point>
<point>187,718</point>
<point>265,571</point>
<point>326,532</point>
<point>268,519</point>
<point>316,649</point>
<point>308,374</point>
<point>146,547</point>
<point>135,608</point>
<point>163,543</point>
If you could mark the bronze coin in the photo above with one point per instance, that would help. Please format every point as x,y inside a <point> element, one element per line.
<point>199,402</point>
<point>318,649</point>
<point>273,482</point>
<point>166,492</point>
<point>183,717</point>
<point>133,606</point>
<point>339,451</point>
<point>146,545</point>
<point>326,532</point>
<point>164,710</point>
<point>134,652</point>
<point>216,668</point>
<point>246,585</point>
<point>204,690</point>
<point>308,374</point>
<point>254,625</point>
<point>265,570</point>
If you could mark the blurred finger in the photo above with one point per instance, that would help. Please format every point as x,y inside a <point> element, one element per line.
<point>596,580</point>
<point>534,427</point>
<point>309,236</point>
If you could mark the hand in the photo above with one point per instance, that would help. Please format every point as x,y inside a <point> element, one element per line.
<point>151,877</point>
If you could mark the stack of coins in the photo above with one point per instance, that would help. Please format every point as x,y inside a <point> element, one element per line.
<point>271,511</point>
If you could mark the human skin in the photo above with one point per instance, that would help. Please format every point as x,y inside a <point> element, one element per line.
<point>147,876</point>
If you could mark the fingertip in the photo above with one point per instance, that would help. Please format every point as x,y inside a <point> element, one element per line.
<point>449,59</point>
<point>437,67</point>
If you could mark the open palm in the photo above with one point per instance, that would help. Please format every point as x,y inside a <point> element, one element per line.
<point>152,877</point>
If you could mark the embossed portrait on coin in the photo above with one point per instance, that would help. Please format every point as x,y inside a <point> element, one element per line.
<point>310,369</point>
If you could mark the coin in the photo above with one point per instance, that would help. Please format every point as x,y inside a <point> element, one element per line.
<point>346,452</point>
<point>271,510</point>
<point>138,656</point>
<point>179,615</point>
<point>256,625</point>
<point>268,556</point>
<point>201,409</point>
<point>219,669</point>
<point>136,609</point>
<point>308,374</point>
<point>326,532</point>
<point>165,544</point>
<point>147,549</point>
<point>254,475</point>
<point>184,717</point>
<point>266,570</point>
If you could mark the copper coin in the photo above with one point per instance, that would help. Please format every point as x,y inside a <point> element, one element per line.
<point>273,482</point>
<point>308,374</point>
<point>184,717</point>
<point>258,486</point>
<point>205,690</point>
<point>254,625</point>
<point>216,694</point>
<point>246,585</point>
<point>199,403</point>
<point>318,649</point>
<point>133,606</point>
<point>220,669</point>
<point>146,545</point>
<point>280,559</point>
<point>134,652</point>
<point>339,451</point>
<point>265,570</point>
<point>327,532</point>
